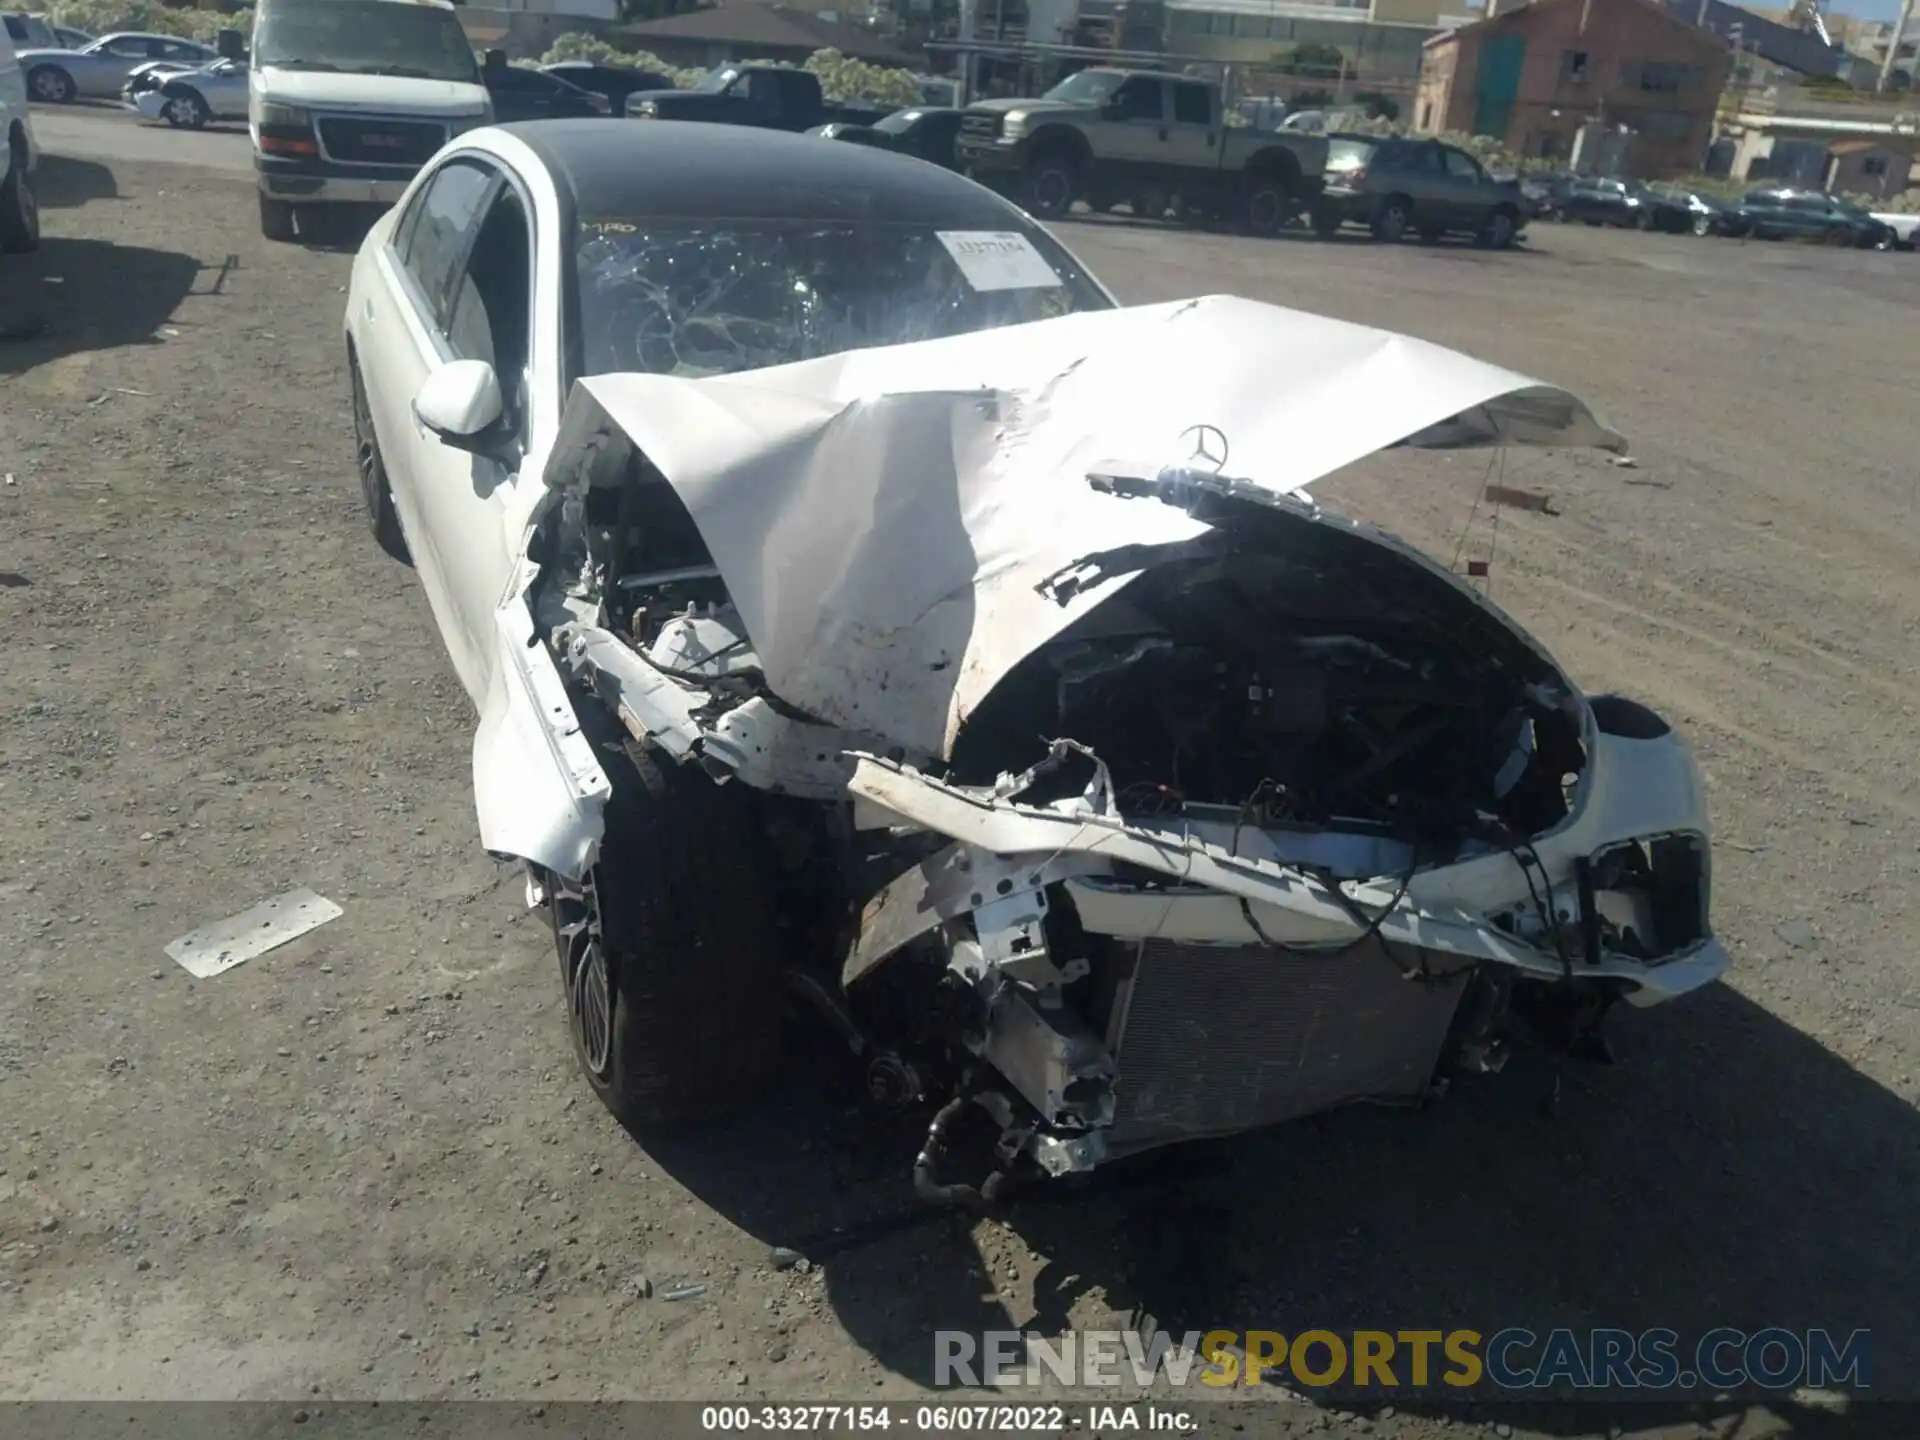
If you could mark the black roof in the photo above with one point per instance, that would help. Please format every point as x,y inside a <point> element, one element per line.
<point>656,169</point>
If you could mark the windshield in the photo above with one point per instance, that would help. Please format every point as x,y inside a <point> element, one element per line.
<point>715,81</point>
<point>693,300</point>
<point>365,37</point>
<point>1089,87</point>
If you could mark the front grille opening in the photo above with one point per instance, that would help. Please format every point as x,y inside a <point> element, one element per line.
<point>379,141</point>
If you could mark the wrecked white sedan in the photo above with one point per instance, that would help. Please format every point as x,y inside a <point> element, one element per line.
<point>861,607</point>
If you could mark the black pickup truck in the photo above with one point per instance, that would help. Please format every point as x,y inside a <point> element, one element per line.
<point>771,97</point>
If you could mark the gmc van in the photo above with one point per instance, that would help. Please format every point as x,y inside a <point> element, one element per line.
<point>349,98</point>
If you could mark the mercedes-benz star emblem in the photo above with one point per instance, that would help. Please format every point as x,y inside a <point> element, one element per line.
<point>1206,448</point>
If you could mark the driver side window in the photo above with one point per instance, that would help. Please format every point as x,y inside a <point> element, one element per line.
<point>1137,99</point>
<point>492,315</point>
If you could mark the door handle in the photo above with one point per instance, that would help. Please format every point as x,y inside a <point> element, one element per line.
<point>366,310</point>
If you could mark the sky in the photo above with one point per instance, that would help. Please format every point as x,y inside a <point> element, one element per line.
<point>1869,9</point>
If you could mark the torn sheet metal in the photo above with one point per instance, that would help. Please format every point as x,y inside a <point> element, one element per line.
<point>216,948</point>
<point>883,517</point>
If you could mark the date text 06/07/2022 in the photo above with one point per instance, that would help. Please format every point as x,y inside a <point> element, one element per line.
<point>947,1419</point>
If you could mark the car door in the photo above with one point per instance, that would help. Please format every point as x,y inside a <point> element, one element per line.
<point>1421,177</point>
<point>1134,135</point>
<point>1194,130</point>
<point>404,327</point>
<point>1469,193</point>
<point>106,67</point>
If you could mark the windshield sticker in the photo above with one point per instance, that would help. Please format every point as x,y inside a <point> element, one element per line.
<point>999,260</point>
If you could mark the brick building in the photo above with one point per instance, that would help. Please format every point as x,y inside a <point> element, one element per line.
<point>1534,76</point>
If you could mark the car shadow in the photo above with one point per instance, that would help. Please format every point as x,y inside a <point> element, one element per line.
<point>61,182</point>
<point>1728,1171</point>
<point>75,295</point>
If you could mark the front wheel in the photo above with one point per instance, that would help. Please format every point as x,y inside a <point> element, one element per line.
<point>187,112</point>
<point>276,219</point>
<point>1052,187</point>
<point>19,209</point>
<point>668,948</point>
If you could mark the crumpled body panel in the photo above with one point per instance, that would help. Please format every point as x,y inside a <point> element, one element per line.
<point>885,519</point>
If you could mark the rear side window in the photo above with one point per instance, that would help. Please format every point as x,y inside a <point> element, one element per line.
<point>1349,154</point>
<point>435,235</point>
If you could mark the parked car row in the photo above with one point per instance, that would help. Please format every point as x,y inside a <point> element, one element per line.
<point>1764,213</point>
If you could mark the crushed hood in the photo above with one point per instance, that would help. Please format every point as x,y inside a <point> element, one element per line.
<point>883,518</point>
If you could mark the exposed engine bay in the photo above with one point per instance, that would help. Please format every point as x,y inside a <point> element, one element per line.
<point>1246,812</point>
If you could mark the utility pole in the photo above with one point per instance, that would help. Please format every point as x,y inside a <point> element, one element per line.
<point>1893,45</point>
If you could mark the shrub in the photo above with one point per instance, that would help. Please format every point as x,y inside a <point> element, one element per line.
<point>103,17</point>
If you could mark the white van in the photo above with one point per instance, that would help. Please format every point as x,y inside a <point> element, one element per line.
<point>349,98</point>
<point>19,211</point>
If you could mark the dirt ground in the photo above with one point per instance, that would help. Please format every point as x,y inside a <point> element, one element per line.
<point>362,1167</point>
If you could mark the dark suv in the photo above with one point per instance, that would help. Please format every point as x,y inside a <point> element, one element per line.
<point>1393,186</point>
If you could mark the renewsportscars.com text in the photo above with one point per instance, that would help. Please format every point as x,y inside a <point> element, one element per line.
<point>1773,1359</point>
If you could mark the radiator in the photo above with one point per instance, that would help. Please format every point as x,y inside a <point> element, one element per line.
<point>1220,1039</point>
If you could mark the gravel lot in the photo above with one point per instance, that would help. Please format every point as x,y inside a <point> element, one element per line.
<point>362,1166</point>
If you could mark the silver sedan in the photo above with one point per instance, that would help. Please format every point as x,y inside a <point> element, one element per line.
<point>188,99</point>
<point>56,77</point>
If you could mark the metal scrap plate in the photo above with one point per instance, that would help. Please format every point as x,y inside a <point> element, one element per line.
<point>218,947</point>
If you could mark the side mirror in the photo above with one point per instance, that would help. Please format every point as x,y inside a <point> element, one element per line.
<point>460,405</point>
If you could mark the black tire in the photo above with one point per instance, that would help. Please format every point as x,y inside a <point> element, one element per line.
<point>1391,221</point>
<point>277,219</point>
<point>376,493</point>
<point>1499,230</point>
<point>1053,184</point>
<point>187,111</point>
<point>19,207</point>
<point>1271,205</point>
<point>669,951</point>
<point>51,85</point>
<point>1326,221</point>
<point>1703,225</point>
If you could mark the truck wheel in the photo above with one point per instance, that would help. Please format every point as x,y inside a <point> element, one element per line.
<point>1392,219</point>
<point>276,219</point>
<point>1052,186</point>
<point>1270,205</point>
<point>668,948</point>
